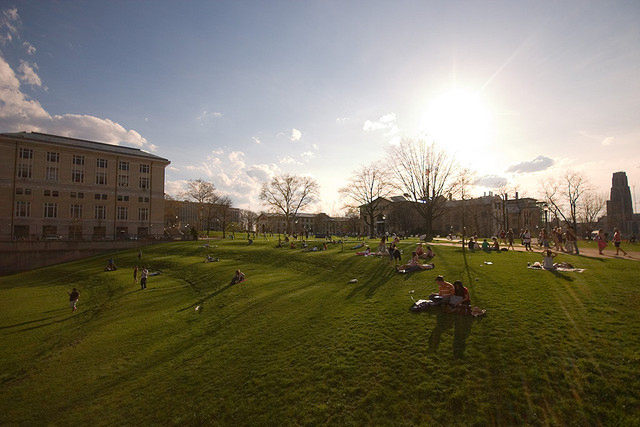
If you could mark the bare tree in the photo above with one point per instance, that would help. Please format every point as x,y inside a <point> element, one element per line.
<point>564,197</point>
<point>222,211</point>
<point>287,194</point>
<point>464,181</point>
<point>249,219</point>
<point>365,190</point>
<point>592,205</point>
<point>204,194</point>
<point>425,175</point>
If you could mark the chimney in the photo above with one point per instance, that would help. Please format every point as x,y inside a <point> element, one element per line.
<point>516,195</point>
<point>490,193</point>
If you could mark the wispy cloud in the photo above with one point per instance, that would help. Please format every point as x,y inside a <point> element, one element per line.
<point>307,156</point>
<point>256,139</point>
<point>208,116</point>
<point>295,135</point>
<point>31,49</point>
<point>342,120</point>
<point>491,181</point>
<point>9,21</point>
<point>388,122</point>
<point>288,160</point>
<point>538,164</point>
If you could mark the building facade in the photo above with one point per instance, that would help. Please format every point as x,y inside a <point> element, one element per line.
<point>182,214</point>
<point>620,208</point>
<point>308,224</point>
<point>59,188</point>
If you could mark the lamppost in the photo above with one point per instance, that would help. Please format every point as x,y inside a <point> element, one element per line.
<point>545,208</point>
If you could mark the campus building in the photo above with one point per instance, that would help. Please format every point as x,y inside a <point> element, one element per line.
<point>620,208</point>
<point>181,214</point>
<point>308,224</point>
<point>482,216</point>
<point>59,188</point>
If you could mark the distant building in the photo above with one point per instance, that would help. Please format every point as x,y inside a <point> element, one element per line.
<point>484,216</point>
<point>620,208</point>
<point>306,223</point>
<point>55,187</point>
<point>202,216</point>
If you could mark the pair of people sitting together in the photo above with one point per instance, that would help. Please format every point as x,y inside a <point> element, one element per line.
<point>422,254</point>
<point>454,297</point>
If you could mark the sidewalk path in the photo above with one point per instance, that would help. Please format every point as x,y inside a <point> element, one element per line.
<point>588,252</point>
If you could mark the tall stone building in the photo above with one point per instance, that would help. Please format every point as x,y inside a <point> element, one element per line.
<point>58,188</point>
<point>620,208</point>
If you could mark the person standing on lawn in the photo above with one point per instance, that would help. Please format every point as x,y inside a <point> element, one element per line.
<point>617,240</point>
<point>74,295</point>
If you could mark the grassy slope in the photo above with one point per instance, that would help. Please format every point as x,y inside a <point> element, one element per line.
<point>297,343</point>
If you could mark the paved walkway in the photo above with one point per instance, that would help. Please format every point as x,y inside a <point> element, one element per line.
<point>609,252</point>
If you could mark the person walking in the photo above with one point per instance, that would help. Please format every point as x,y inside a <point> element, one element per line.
<point>602,241</point>
<point>74,295</point>
<point>526,240</point>
<point>135,274</point>
<point>143,278</point>
<point>617,240</point>
<point>510,238</point>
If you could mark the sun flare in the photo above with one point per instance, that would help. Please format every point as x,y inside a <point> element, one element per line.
<point>459,120</point>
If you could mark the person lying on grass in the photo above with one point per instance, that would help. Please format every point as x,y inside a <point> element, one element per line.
<point>414,265</point>
<point>237,278</point>
<point>358,246</point>
<point>366,252</point>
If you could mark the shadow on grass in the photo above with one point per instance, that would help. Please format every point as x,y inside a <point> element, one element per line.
<point>461,331</point>
<point>26,323</point>
<point>381,275</point>
<point>208,297</point>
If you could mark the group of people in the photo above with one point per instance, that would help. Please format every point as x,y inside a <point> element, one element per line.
<point>602,240</point>
<point>454,297</point>
<point>416,263</point>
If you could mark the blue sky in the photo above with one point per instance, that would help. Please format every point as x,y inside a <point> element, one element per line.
<point>235,92</point>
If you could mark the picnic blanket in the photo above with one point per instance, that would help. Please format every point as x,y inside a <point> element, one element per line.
<point>563,269</point>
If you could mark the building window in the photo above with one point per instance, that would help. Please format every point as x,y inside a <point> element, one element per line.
<point>122,198</point>
<point>50,210</point>
<point>23,209</point>
<point>123,166</point>
<point>78,160</point>
<point>53,157</point>
<point>25,153</point>
<point>77,175</point>
<point>75,232</point>
<point>143,214</point>
<point>144,183</point>
<point>77,195</point>
<point>123,180</point>
<point>143,199</point>
<point>144,168</point>
<point>76,211</point>
<point>122,212</point>
<point>101,178</point>
<point>101,163</point>
<point>52,173</point>
<point>24,170</point>
<point>100,212</point>
<point>99,196</point>
<point>47,193</point>
<point>20,191</point>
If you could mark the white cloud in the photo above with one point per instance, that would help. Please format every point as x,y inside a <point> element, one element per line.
<point>491,181</point>
<point>315,146</point>
<point>342,120</point>
<point>173,169</point>
<point>386,122</point>
<point>607,141</point>
<point>288,160</point>
<point>28,74</point>
<point>256,139</point>
<point>20,113</point>
<point>307,156</point>
<point>31,49</point>
<point>232,176</point>
<point>295,135</point>
<point>207,116</point>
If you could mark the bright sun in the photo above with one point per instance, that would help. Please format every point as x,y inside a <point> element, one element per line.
<point>459,120</point>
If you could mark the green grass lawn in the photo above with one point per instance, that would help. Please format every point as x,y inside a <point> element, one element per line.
<point>297,344</point>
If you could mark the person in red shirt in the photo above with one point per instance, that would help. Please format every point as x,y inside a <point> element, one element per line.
<point>445,289</point>
<point>460,300</point>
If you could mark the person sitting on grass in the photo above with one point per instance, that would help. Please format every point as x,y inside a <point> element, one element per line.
<point>485,245</point>
<point>547,262</point>
<point>111,266</point>
<point>210,258</point>
<point>445,290</point>
<point>74,295</point>
<point>292,245</point>
<point>237,278</point>
<point>414,265</point>
<point>471,244</point>
<point>460,302</point>
<point>496,245</point>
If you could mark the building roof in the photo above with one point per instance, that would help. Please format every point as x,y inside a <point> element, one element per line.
<point>82,143</point>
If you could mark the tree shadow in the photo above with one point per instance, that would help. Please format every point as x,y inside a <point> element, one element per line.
<point>27,323</point>
<point>561,275</point>
<point>206,298</point>
<point>43,325</point>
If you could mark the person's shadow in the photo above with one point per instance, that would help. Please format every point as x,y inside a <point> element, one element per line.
<point>462,329</point>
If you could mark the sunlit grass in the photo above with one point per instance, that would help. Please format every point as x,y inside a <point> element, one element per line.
<point>296,343</point>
